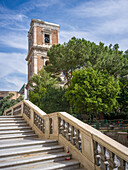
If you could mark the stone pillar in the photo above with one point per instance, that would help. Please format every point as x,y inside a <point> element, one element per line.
<point>35,64</point>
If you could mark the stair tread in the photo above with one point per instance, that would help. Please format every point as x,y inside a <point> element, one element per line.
<point>13,124</point>
<point>12,121</point>
<point>13,127</point>
<point>11,118</point>
<point>22,159</point>
<point>16,135</point>
<point>21,149</point>
<point>25,150</point>
<point>11,143</point>
<point>15,131</point>
<point>46,165</point>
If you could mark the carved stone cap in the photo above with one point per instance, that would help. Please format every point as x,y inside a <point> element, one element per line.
<point>43,22</point>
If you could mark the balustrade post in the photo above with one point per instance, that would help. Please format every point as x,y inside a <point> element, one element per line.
<point>47,127</point>
<point>87,146</point>
<point>12,111</point>
<point>55,125</point>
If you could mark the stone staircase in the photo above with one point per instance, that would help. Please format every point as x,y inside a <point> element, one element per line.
<point>20,148</point>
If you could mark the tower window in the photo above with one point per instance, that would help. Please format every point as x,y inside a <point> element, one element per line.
<point>47,62</point>
<point>47,38</point>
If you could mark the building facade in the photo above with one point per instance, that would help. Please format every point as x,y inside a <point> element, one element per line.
<point>41,36</point>
<point>6,93</point>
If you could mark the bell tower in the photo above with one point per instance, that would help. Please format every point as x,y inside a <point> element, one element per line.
<point>41,36</point>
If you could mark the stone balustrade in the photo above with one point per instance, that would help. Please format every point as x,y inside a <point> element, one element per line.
<point>92,148</point>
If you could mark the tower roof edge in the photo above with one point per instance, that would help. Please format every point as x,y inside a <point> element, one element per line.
<point>43,22</point>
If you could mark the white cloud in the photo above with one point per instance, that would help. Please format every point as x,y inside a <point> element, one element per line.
<point>123,44</point>
<point>101,8</point>
<point>66,35</point>
<point>117,26</point>
<point>12,62</point>
<point>15,40</point>
<point>93,37</point>
<point>32,4</point>
<point>107,21</point>
<point>13,70</point>
<point>108,17</point>
<point>13,19</point>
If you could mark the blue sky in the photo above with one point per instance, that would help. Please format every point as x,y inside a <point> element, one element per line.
<point>94,20</point>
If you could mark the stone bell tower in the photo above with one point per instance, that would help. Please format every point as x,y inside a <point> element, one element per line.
<point>41,36</point>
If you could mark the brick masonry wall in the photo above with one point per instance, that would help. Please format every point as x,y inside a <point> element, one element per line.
<point>54,37</point>
<point>39,36</point>
<point>40,63</point>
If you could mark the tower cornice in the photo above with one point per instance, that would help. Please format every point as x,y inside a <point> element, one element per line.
<point>36,48</point>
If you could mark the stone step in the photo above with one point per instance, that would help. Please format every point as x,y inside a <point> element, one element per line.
<point>12,121</point>
<point>6,144</point>
<point>39,157</point>
<point>13,124</point>
<point>17,136</point>
<point>20,148</point>
<point>16,131</point>
<point>11,117</point>
<point>29,150</point>
<point>14,128</point>
<point>49,165</point>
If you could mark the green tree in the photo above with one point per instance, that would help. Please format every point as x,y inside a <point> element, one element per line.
<point>123,97</point>
<point>39,84</point>
<point>7,102</point>
<point>92,91</point>
<point>67,57</point>
<point>47,94</point>
<point>78,53</point>
<point>54,100</point>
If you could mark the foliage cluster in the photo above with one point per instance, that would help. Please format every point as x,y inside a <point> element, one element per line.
<point>46,94</point>
<point>92,91</point>
<point>80,52</point>
<point>7,102</point>
<point>95,76</point>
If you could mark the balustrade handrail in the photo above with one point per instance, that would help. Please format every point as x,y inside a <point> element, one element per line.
<point>68,130</point>
<point>98,136</point>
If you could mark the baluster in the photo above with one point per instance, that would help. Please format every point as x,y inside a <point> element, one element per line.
<point>63,128</point>
<point>72,134</point>
<point>77,138</point>
<point>102,156</point>
<point>111,160</point>
<point>96,156</point>
<point>122,163</point>
<point>106,158</point>
<point>59,122</point>
<point>51,126</point>
<point>67,130</point>
<point>43,126</point>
